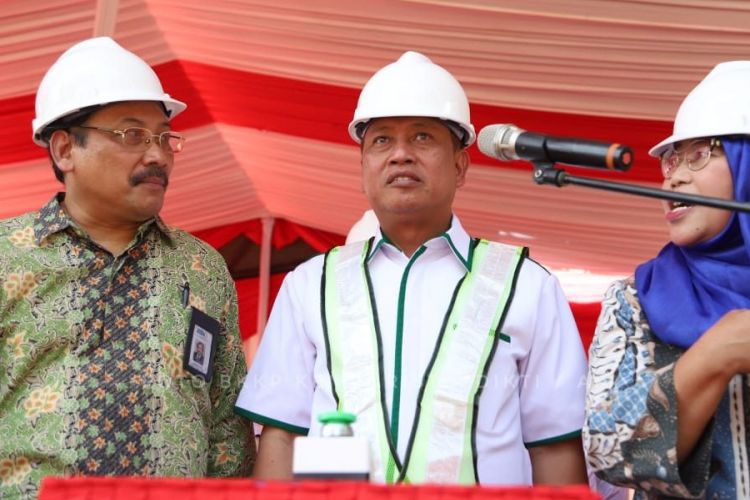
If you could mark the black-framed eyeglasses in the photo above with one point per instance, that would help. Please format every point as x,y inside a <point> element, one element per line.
<point>139,138</point>
<point>695,154</point>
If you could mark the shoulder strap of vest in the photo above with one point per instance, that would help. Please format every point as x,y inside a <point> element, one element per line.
<point>353,348</point>
<point>442,447</point>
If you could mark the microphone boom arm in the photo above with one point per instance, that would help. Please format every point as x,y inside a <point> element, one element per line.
<point>547,173</point>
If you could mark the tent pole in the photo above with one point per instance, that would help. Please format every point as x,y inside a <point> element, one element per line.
<point>264,286</point>
<point>106,17</point>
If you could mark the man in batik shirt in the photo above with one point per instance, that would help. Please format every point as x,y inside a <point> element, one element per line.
<point>102,305</point>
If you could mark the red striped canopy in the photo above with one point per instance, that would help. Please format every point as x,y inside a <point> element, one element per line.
<point>272,85</point>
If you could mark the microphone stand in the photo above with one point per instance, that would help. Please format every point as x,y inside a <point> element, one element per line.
<point>545,172</point>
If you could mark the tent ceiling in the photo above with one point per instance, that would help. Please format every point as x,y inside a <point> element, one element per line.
<point>271,86</point>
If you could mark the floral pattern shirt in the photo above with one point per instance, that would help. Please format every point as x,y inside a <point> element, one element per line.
<point>91,356</point>
<point>630,432</point>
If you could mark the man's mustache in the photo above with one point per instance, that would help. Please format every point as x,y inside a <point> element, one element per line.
<point>150,171</point>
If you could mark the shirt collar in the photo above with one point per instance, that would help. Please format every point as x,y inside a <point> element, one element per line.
<point>455,238</point>
<point>164,229</point>
<point>52,218</point>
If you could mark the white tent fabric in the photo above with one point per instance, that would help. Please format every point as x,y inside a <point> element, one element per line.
<point>598,61</point>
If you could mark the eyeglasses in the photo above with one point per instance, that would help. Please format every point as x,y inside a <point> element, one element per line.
<point>695,154</point>
<point>139,139</point>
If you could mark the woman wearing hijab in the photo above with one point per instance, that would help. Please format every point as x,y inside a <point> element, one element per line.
<point>668,404</point>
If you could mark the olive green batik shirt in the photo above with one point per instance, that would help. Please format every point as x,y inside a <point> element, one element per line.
<point>91,356</point>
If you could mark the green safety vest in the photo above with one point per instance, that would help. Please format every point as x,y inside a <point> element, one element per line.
<point>441,447</point>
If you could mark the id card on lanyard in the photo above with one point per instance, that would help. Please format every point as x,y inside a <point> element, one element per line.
<point>200,344</point>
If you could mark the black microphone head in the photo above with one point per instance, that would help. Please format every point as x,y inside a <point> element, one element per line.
<point>622,157</point>
<point>498,141</point>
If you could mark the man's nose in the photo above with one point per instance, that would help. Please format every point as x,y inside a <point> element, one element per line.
<point>156,153</point>
<point>402,152</point>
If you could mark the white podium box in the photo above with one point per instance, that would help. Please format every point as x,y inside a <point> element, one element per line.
<point>331,458</point>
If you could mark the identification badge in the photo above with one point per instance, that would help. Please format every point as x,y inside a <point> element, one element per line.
<point>200,345</point>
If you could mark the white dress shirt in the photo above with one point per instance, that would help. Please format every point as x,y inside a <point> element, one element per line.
<point>534,392</point>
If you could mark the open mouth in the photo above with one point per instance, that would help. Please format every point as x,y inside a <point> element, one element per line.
<point>678,205</point>
<point>402,179</point>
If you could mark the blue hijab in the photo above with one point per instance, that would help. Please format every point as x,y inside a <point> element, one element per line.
<point>685,290</point>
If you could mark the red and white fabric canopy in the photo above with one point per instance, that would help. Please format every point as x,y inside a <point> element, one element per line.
<point>271,86</point>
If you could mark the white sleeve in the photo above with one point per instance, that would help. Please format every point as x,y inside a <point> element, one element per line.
<point>278,390</point>
<point>553,373</point>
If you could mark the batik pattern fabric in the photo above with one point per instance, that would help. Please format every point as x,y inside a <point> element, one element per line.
<point>630,432</point>
<point>91,347</point>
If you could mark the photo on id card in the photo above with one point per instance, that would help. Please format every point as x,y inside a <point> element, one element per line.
<point>200,345</point>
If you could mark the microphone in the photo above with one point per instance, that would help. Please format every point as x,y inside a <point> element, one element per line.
<point>508,142</point>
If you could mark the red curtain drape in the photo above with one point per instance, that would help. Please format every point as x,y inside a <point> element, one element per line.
<point>586,315</point>
<point>284,233</point>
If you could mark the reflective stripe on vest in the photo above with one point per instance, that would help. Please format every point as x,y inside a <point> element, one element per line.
<point>441,446</point>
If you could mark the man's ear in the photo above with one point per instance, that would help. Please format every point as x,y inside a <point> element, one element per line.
<point>462,165</point>
<point>61,149</point>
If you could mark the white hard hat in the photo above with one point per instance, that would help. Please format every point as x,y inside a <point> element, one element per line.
<point>93,72</point>
<point>718,105</point>
<point>413,86</point>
